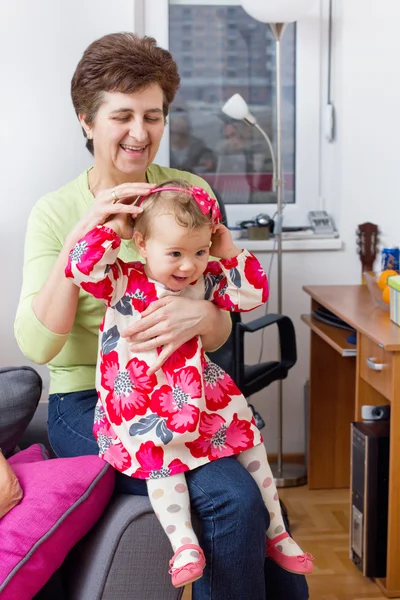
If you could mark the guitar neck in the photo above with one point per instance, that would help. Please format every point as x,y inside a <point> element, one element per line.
<point>367,241</point>
<point>367,266</point>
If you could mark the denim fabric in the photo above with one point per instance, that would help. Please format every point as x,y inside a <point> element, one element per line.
<point>226,498</point>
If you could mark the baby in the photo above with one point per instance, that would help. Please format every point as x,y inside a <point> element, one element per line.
<point>157,425</point>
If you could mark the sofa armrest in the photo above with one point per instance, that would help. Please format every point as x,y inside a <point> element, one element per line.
<point>36,432</point>
<point>20,390</point>
<point>124,557</point>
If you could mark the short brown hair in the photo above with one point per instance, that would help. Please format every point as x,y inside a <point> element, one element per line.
<point>121,62</point>
<point>186,211</point>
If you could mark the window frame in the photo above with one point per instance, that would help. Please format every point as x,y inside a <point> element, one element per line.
<point>155,22</point>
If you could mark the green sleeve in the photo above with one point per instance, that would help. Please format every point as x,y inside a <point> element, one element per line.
<point>42,248</point>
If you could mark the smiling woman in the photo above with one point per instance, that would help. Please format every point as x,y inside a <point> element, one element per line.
<point>122,89</point>
<point>126,135</point>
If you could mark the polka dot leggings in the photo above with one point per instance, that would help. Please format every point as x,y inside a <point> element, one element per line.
<point>256,462</point>
<point>170,500</point>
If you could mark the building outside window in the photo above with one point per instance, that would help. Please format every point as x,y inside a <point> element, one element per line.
<point>231,156</point>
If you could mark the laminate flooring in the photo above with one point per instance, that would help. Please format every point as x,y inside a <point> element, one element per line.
<point>320,524</point>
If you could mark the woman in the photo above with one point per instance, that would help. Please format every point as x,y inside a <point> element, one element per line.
<point>121,90</point>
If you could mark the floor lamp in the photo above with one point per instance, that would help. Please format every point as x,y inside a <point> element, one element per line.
<point>277,13</point>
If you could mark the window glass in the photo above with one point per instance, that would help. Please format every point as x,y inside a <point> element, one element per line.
<point>237,55</point>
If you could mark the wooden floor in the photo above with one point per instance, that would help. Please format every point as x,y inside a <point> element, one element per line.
<point>320,524</point>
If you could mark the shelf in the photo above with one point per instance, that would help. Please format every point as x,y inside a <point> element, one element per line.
<point>334,336</point>
<point>355,305</point>
<point>308,244</point>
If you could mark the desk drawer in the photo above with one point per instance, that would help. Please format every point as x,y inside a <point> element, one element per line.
<point>376,366</point>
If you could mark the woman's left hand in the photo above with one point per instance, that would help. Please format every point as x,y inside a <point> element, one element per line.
<point>168,323</point>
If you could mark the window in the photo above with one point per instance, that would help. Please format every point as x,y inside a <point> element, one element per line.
<point>241,58</point>
<point>229,155</point>
<point>186,61</point>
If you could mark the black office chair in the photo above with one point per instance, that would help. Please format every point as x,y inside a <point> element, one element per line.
<point>230,357</point>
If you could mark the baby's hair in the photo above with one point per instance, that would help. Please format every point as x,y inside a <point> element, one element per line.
<point>182,205</point>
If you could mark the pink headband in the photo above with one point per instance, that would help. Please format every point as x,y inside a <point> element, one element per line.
<point>208,205</point>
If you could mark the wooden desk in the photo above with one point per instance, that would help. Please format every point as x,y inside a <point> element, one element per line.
<point>340,385</point>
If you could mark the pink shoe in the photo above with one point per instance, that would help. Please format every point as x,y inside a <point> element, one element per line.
<point>189,572</point>
<point>294,564</point>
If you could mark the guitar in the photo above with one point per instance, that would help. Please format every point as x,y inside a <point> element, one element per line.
<point>367,242</point>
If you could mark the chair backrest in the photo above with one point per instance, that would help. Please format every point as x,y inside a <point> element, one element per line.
<point>221,207</point>
<point>225,355</point>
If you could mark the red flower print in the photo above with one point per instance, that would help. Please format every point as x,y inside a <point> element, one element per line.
<point>173,401</point>
<point>115,270</point>
<point>89,250</point>
<point>141,291</point>
<point>256,276</point>
<point>229,263</point>
<point>128,389</point>
<point>104,434</point>
<point>219,387</point>
<point>151,460</point>
<point>178,359</point>
<point>100,419</point>
<point>118,457</point>
<point>218,440</point>
<point>102,290</point>
<point>222,299</point>
<point>213,267</point>
<point>110,450</point>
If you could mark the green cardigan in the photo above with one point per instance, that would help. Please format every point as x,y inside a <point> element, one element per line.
<point>71,357</point>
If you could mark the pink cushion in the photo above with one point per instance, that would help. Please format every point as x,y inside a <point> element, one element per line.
<point>63,499</point>
<point>34,453</point>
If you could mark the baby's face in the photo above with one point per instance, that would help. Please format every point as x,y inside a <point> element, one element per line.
<point>176,256</point>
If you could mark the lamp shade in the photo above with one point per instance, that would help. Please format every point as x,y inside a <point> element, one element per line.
<point>236,107</point>
<point>277,11</point>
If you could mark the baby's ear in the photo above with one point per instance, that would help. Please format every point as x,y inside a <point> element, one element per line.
<point>140,243</point>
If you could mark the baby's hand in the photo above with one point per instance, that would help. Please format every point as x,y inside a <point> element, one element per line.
<point>122,224</point>
<point>222,245</point>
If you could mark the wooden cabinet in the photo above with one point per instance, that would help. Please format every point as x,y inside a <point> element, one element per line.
<point>376,366</point>
<point>340,384</point>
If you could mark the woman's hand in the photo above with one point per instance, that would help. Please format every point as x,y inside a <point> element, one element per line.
<point>118,201</point>
<point>222,245</point>
<point>172,321</point>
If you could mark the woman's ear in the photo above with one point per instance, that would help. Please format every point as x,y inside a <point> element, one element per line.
<point>85,126</point>
<point>140,243</point>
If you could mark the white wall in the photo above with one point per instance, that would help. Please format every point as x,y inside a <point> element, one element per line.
<point>42,148</point>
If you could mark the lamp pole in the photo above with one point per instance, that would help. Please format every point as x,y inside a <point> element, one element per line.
<point>236,108</point>
<point>289,474</point>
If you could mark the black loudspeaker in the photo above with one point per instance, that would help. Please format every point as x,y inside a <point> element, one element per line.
<point>369,496</point>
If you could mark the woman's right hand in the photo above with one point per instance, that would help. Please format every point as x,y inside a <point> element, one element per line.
<point>105,206</point>
<point>56,302</point>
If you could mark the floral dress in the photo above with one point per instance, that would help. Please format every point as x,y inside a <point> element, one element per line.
<point>190,411</point>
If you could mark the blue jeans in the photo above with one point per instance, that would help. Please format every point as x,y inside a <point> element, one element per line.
<point>222,493</point>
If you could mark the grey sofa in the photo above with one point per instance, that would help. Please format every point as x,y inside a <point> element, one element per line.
<point>125,556</point>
